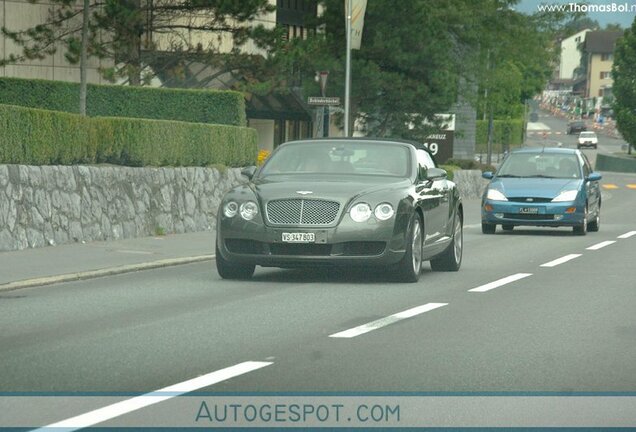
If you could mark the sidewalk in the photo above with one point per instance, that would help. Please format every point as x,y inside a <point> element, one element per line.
<point>53,264</point>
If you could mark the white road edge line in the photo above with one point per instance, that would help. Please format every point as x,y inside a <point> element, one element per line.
<point>561,260</point>
<point>500,282</point>
<point>383,322</point>
<point>124,407</point>
<point>601,245</point>
<point>627,235</point>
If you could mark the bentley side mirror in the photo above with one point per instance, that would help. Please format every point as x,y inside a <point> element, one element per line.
<point>594,176</point>
<point>488,175</point>
<point>436,174</point>
<point>249,172</point>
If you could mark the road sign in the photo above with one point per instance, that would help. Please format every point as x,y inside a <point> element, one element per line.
<point>440,145</point>
<point>321,100</point>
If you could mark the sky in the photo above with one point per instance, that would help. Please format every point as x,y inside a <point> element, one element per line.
<point>612,13</point>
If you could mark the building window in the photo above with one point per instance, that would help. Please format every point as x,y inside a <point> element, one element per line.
<point>606,56</point>
<point>606,75</point>
<point>578,39</point>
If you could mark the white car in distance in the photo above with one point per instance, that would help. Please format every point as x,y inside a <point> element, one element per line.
<point>587,139</point>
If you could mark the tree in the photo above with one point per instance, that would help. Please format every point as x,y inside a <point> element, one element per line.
<point>613,27</point>
<point>84,57</point>
<point>624,89</point>
<point>127,31</point>
<point>579,21</point>
<point>411,65</point>
<point>517,55</point>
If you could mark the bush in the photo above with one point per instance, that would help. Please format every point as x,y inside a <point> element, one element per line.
<point>450,170</point>
<point>469,164</point>
<point>506,134</point>
<point>40,137</point>
<point>195,106</point>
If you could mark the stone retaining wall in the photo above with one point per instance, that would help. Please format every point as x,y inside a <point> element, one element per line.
<point>625,164</point>
<point>470,183</point>
<point>51,205</point>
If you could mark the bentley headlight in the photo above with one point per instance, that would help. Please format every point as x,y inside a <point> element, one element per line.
<point>230,209</point>
<point>249,210</point>
<point>566,196</point>
<point>495,195</point>
<point>384,211</point>
<point>360,212</point>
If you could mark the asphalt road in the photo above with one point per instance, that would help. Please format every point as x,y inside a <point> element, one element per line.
<point>568,327</point>
<point>555,129</point>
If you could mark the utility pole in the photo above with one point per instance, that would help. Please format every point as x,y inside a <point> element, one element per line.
<point>84,58</point>
<point>490,134</point>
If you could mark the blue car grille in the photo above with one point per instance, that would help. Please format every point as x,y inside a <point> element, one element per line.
<point>521,216</point>
<point>530,200</point>
<point>300,211</point>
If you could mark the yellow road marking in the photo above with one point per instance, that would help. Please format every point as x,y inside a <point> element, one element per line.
<point>610,186</point>
<point>631,186</point>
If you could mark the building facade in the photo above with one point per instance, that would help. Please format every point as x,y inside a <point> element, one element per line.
<point>21,14</point>
<point>599,46</point>
<point>571,55</point>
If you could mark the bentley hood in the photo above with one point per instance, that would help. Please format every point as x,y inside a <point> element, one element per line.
<point>337,190</point>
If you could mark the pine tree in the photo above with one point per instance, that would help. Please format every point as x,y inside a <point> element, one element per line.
<point>125,31</point>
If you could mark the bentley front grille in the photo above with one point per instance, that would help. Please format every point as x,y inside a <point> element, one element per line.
<point>300,211</point>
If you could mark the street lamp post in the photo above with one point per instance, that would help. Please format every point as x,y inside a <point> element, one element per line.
<point>348,70</point>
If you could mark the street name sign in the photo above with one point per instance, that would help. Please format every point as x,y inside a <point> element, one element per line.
<point>322,100</point>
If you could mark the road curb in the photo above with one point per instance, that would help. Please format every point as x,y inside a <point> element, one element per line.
<point>111,271</point>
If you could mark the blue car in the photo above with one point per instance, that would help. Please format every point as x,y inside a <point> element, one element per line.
<point>546,187</point>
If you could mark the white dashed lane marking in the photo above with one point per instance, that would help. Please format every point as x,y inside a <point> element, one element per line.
<point>383,322</point>
<point>124,407</point>
<point>561,260</point>
<point>627,235</point>
<point>500,282</point>
<point>601,245</point>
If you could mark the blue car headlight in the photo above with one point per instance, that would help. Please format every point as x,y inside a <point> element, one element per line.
<point>564,196</point>
<point>495,195</point>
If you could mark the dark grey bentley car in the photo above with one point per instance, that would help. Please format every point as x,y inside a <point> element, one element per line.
<point>349,202</point>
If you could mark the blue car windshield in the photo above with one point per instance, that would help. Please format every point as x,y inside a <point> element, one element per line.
<point>545,165</point>
<point>339,157</point>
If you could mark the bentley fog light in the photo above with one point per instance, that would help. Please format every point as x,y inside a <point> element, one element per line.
<point>230,209</point>
<point>249,210</point>
<point>384,211</point>
<point>360,212</point>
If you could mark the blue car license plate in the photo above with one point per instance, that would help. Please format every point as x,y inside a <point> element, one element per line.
<point>298,237</point>
<point>529,210</point>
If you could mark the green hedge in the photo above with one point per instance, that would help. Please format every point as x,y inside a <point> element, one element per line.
<point>39,137</point>
<point>195,106</point>
<point>506,134</point>
<point>469,164</point>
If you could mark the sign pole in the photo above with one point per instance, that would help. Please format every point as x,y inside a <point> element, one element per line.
<point>348,70</point>
<point>325,109</point>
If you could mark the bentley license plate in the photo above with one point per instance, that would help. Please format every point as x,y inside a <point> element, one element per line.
<point>299,237</point>
<point>529,210</point>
